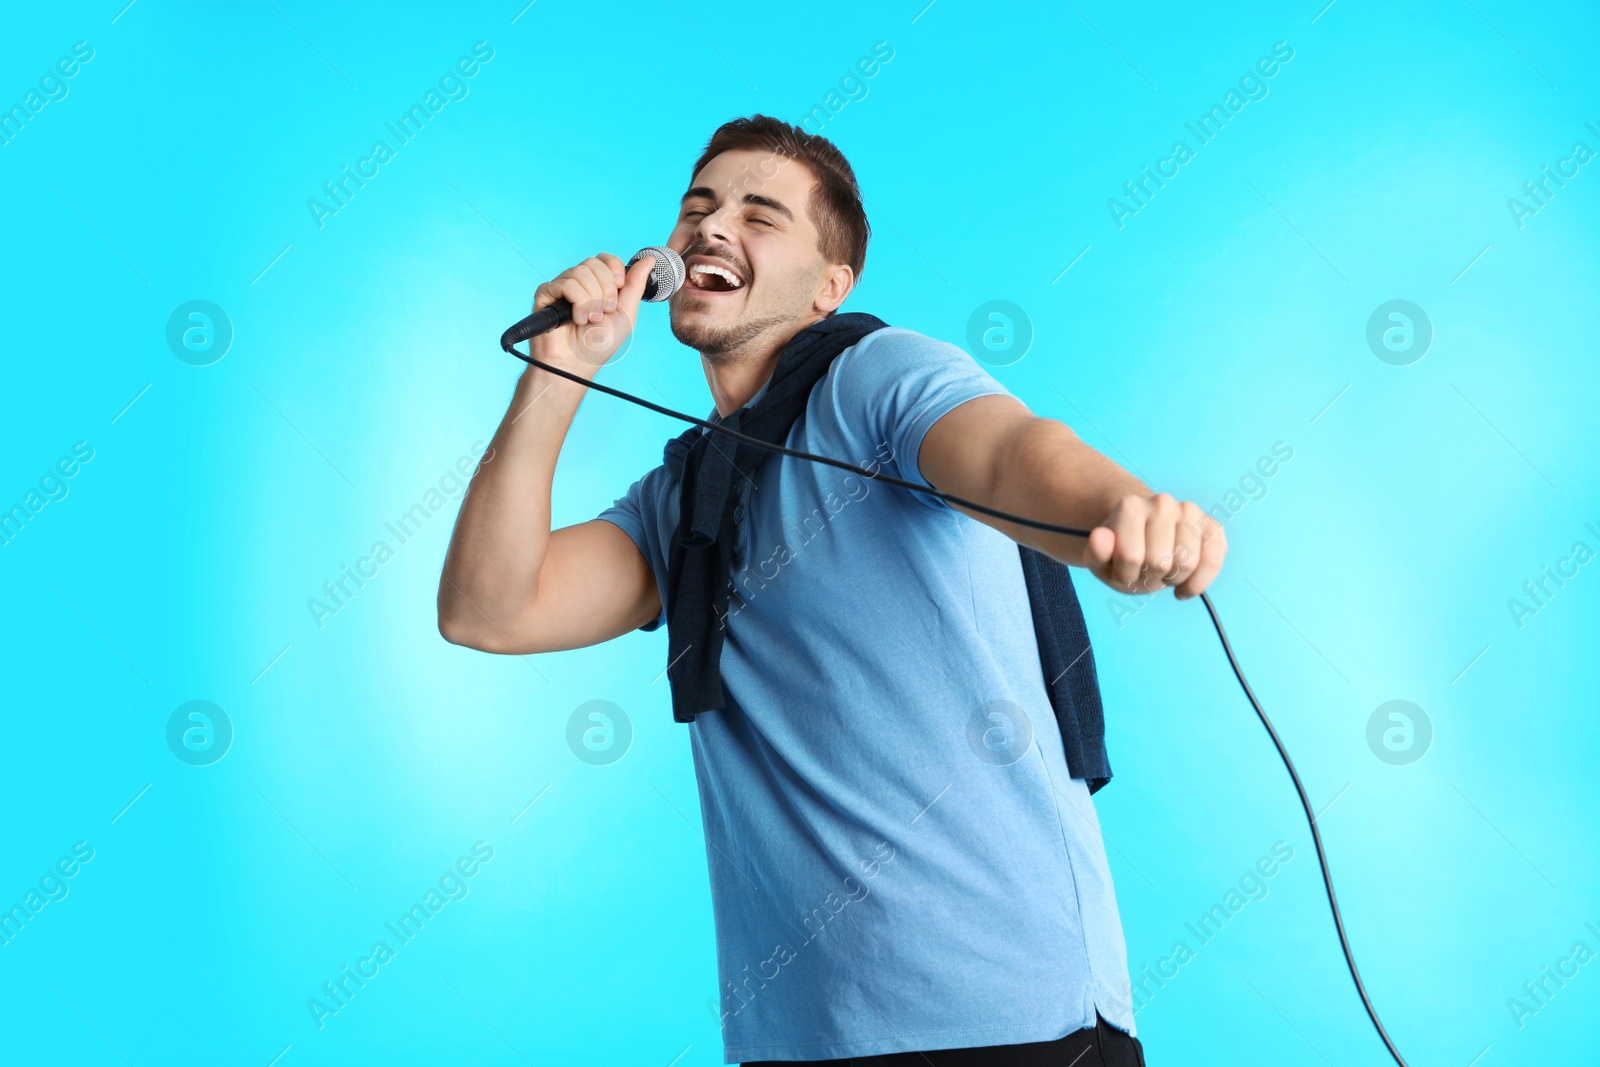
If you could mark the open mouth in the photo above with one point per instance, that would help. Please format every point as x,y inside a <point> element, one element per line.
<point>707,278</point>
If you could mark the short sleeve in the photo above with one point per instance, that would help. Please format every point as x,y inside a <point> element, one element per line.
<point>629,513</point>
<point>895,384</point>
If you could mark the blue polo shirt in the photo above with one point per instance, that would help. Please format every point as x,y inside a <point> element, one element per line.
<point>899,859</point>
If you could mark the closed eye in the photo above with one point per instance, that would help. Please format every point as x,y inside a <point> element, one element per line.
<point>697,213</point>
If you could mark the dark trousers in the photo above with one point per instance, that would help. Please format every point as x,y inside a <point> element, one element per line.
<point>1101,1045</point>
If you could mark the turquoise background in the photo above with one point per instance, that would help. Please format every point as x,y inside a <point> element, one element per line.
<point>1228,314</point>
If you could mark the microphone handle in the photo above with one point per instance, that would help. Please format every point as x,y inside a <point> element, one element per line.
<point>542,321</point>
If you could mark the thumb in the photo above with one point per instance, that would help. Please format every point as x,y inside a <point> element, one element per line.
<point>1102,542</point>
<point>632,290</point>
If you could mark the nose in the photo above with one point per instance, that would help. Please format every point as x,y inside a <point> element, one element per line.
<point>713,227</point>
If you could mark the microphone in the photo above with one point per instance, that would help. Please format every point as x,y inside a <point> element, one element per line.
<point>666,278</point>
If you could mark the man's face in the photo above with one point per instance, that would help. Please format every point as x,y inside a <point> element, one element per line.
<point>747,212</point>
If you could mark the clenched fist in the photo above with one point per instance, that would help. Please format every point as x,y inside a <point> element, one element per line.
<point>1148,542</point>
<point>605,299</point>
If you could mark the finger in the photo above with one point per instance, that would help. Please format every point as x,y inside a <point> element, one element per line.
<point>601,270</point>
<point>563,286</point>
<point>1160,530</point>
<point>1186,546</point>
<point>618,269</point>
<point>1213,549</point>
<point>1127,560</point>
<point>597,341</point>
<point>580,289</point>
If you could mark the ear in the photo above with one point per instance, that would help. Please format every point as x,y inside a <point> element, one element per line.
<point>836,282</point>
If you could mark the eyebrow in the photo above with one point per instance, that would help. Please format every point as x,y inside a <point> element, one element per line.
<point>707,193</point>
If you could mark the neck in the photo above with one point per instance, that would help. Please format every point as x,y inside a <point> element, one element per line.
<point>734,382</point>
<point>734,376</point>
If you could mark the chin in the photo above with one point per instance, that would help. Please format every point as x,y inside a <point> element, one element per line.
<point>698,302</point>
<point>693,312</point>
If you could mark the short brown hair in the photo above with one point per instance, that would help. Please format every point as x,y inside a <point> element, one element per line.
<point>842,228</point>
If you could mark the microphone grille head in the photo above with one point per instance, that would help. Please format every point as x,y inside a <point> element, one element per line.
<point>666,277</point>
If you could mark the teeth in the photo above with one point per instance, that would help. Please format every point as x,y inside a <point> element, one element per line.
<point>723,272</point>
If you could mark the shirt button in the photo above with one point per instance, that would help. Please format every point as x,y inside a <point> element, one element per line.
<point>738,513</point>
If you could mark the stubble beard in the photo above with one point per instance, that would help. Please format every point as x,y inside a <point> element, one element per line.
<point>720,344</point>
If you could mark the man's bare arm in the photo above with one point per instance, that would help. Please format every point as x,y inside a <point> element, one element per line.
<point>510,584</point>
<point>994,451</point>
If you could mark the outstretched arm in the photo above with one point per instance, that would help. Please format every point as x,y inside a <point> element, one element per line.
<point>996,452</point>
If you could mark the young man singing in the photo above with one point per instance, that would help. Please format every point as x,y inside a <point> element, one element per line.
<point>893,716</point>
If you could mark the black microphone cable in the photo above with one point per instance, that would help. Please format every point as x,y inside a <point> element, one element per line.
<point>1216,621</point>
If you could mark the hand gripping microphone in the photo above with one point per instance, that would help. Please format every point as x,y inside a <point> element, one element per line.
<point>666,277</point>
